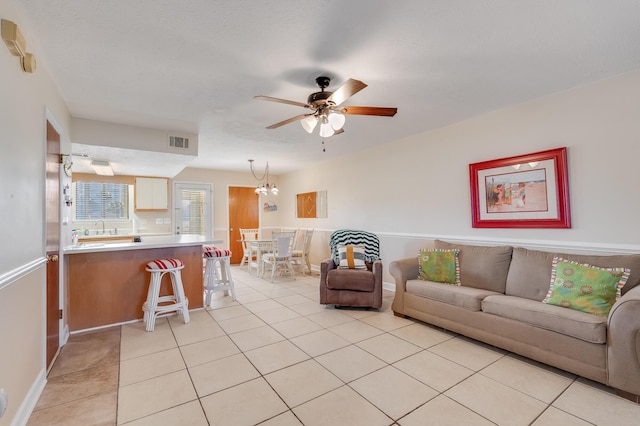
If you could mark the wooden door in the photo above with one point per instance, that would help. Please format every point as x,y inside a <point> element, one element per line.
<point>53,241</point>
<point>243,213</point>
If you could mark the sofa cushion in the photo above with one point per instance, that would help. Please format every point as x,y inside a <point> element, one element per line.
<point>583,287</point>
<point>439,265</point>
<point>583,326</point>
<point>463,297</point>
<point>482,267</point>
<point>530,270</point>
<point>350,279</point>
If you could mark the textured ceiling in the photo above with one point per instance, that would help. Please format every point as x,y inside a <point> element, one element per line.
<point>194,66</point>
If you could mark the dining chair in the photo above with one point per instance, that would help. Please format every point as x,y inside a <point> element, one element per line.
<point>247,235</point>
<point>301,256</point>
<point>280,256</point>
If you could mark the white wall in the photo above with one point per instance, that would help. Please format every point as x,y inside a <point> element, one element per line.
<point>416,189</point>
<point>25,98</point>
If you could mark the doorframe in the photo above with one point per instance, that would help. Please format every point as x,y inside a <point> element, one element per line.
<point>63,328</point>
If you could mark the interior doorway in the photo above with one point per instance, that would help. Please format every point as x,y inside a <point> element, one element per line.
<point>52,176</point>
<point>244,212</point>
<point>193,213</point>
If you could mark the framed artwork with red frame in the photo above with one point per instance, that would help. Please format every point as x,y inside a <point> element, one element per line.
<point>525,191</point>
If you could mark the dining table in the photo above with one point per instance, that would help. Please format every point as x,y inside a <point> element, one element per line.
<point>256,249</point>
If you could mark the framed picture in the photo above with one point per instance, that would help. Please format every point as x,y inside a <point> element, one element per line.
<point>527,191</point>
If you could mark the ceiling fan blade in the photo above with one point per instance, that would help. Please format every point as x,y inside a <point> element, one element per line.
<point>347,90</point>
<point>289,120</point>
<point>282,101</point>
<point>366,110</point>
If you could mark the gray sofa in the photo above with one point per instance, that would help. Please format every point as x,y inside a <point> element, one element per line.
<point>499,302</point>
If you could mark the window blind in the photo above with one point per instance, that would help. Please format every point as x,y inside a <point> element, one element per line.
<point>193,212</point>
<point>96,200</point>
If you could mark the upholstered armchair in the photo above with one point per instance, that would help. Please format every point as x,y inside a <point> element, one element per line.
<point>345,285</point>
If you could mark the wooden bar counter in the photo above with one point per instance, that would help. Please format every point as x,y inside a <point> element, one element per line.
<point>107,283</point>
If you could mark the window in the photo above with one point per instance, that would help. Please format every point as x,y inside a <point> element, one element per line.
<point>96,200</point>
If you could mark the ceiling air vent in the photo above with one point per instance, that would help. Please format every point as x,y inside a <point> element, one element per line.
<point>179,142</point>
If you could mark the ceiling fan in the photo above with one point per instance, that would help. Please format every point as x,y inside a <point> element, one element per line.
<point>326,108</point>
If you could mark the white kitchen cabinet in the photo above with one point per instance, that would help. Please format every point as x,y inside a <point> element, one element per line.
<point>151,193</point>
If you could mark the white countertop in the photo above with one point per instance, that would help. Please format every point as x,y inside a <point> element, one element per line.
<point>148,242</point>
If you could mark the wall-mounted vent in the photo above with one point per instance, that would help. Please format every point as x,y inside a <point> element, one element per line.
<point>179,142</point>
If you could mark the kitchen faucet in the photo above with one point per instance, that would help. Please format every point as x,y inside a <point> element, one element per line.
<point>100,220</point>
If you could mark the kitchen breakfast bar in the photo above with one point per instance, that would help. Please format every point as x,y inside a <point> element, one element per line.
<point>107,282</point>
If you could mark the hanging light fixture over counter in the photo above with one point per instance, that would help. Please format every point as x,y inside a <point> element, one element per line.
<point>266,187</point>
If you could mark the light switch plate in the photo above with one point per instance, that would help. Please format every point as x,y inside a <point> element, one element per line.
<point>167,220</point>
<point>158,221</point>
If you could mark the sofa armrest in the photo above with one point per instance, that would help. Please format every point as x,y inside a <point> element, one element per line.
<point>402,270</point>
<point>624,343</point>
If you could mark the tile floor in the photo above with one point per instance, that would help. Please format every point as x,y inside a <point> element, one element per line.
<point>278,357</point>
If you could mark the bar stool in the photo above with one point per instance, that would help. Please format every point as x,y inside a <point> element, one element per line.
<point>156,304</point>
<point>217,272</point>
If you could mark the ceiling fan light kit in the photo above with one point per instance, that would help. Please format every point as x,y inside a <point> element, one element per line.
<point>326,110</point>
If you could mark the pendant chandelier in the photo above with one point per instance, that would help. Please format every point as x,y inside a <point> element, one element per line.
<point>266,187</point>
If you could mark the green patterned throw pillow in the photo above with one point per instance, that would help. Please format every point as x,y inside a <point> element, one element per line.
<point>439,265</point>
<point>584,287</point>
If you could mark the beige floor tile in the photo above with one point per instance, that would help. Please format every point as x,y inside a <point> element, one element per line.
<point>359,313</point>
<point>433,370</point>
<point>284,419</point>
<point>229,312</point>
<point>350,363</point>
<point>319,342</point>
<point>79,385</point>
<point>387,321</point>
<point>296,327</point>
<point>151,396</point>
<point>540,383</point>
<point>201,327</point>
<point>355,331</point>
<point>393,392</point>
<point>276,356</point>
<point>222,374</point>
<point>277,290</point>
<point>342,406</point>
<point>208,350</point>
<point>330,318</point>
<point>301,382</point>
<point>256,337</point>
<point>87,350</point>
<point>292,300</point>
<point>495,401</point>
<point>443,411</point>
<point>262,306</point>
<point>273,316</point>
<point>388,348</point>
<point>422,335</point>
<point>308,308</point>
<point>246,404</point>
<point>222,301</point>
<point>553,417</point>
<point>149,366</point>
<point>95,410</point>
<point>467,353</point>
<point>245,322</point>
<point>598,407</point>
<point>190,414</point>
<point>253,296</point>
<point>135,341</point>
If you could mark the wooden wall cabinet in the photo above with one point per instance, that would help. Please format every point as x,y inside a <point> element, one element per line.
<point>151,193</point>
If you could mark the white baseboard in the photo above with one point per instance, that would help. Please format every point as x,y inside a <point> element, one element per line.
<point>30,400</point>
